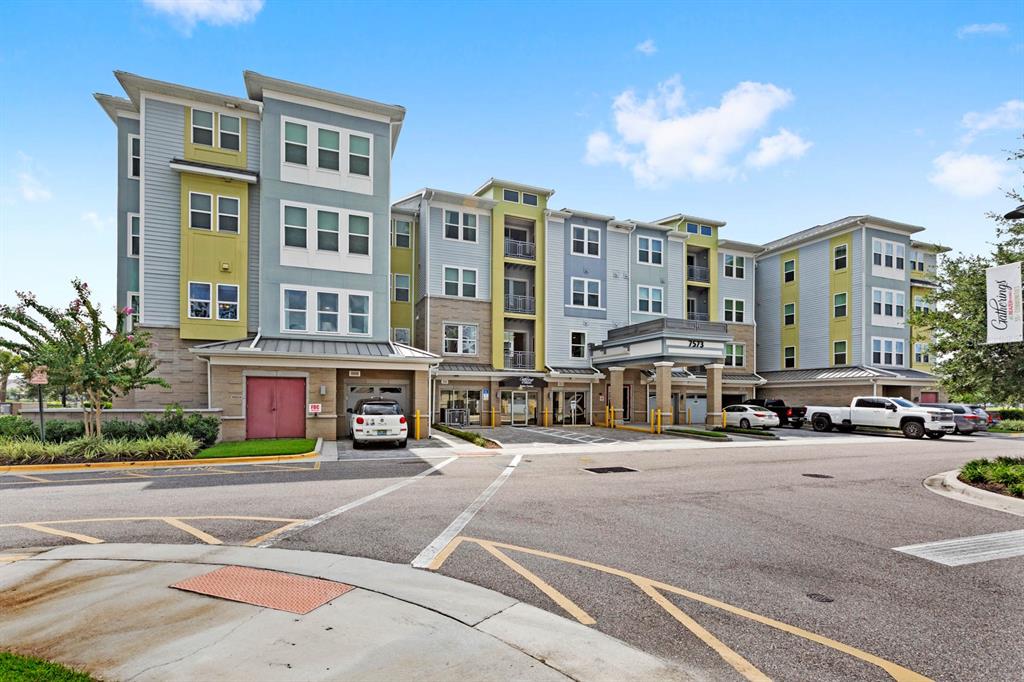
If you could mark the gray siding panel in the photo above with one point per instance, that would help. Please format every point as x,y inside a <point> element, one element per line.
<point>576,265</point>
<point>815,307</point>
<point>675,264</point>
<point>643,274</point>
<point>127,202</point>
<point>731,287</point>
<point>253,278</point>
<point>252,142</point>
<point>164,126</point>
<point>870,282</point>
<point>458,253</point>
<point>768,311</point>
<point>618,298</point>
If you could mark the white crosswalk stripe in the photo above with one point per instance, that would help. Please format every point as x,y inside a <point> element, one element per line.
<point>970,550</point>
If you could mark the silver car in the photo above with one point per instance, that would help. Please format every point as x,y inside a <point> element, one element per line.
<point>966,420</point>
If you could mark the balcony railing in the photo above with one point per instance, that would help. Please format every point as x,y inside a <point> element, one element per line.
<point>520,304</point>
<point>698,273</point>
<point>517,249</point>
<point>519,359</point>
<point>700,317</point>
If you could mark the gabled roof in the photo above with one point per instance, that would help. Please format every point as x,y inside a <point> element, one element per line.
<point>846,373</point>
<point>116,106</point>
<point>411,201</point>
<point>684,217</point>
<point>134,85</point>
<point>835,227</point>
<point>362,350</point>
<point>512,185</point>
<point>731,245</point>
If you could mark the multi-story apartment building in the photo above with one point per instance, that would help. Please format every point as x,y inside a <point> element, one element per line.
<point>518,300</point>
<point>832,308</point>
<point>253,244</point>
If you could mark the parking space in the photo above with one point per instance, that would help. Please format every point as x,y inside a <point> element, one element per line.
<point>563,435</point>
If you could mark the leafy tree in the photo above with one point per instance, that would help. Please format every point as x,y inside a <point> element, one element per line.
<point>969,369</point>
<point>9,364</point>
<point>80,351</point>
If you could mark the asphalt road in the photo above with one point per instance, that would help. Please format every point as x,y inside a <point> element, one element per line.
<point>727,537</point>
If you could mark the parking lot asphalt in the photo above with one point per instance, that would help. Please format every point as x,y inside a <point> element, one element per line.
<point>771,554</point>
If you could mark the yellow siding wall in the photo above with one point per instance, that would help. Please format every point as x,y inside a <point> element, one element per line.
<point>840,281</point>
<point>403,262</point>
<point>215,155</point>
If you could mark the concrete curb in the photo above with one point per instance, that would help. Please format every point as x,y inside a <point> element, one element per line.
<point>572,649</point>
<point>155,463</point>
<point>948,485</point>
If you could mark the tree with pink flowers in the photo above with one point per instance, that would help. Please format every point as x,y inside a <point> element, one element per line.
<point>80,350</point>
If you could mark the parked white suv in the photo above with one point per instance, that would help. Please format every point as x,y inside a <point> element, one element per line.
<point>883,413</point>
<point>376,420</point>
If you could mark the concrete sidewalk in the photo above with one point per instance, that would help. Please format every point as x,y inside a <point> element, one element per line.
<point>108,609</point>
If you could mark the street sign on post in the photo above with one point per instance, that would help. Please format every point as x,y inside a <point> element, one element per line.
<point>1005,318</point>
<point>40,379</point>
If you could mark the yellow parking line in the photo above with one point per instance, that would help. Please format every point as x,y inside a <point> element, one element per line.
<point>62,533</point>
<point>226,517</point>
<point>273,533</point>
<point>445,553</point>
<point>11,558</point>
<point>897,672</point>
<point>555,596</point>
<point>36,479</point>
<point>192,530</point>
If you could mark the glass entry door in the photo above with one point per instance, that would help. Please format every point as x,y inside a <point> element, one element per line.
<point>570,407</point>
<point>520,411</point>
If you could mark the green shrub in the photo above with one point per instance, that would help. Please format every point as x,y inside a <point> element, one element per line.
<point>1006,412</point>
<point>676,431</point>
<point>1009,426</point>
<point>203,428</point>
<point>120,428</point>
<point>14,426</point>
<point>26,451</point>
<point>60,430</point>
<point>1003,471</point>
<point>474,438</point>
<point>750,432</point>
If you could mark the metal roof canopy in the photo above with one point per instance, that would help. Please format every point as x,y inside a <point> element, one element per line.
<point>686,342</point>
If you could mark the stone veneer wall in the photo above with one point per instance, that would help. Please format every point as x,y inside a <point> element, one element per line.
<point>744,333</point>
<point>178,367</point>
<point>465,312</point>
<point>840,394</point>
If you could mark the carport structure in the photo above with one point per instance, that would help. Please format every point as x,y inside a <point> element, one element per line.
<point>686,348</point>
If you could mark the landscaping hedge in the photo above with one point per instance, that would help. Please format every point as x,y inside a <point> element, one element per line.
<point>474,438</point>
<point>1003,474</point>
<point>82,450</point>
<point>758,433</point>
<point>697,433</point>
<point>1009,426</point>
<point>1006,412</point>
<point>203,428</point>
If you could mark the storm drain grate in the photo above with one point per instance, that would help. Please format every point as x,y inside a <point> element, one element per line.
<point>820,598</point>
<point>272,589</point>
<point>817,475</point>
<point>610,470</point>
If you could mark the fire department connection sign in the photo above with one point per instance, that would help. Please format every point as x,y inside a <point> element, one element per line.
<point>1005,321</point>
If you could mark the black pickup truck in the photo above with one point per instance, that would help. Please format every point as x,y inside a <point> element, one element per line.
<point>788,414</point>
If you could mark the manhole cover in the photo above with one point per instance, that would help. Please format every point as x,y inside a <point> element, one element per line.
<point>272,589</point>
<point>609,470</point>
<point>824,599</point>
<point>817,475</point>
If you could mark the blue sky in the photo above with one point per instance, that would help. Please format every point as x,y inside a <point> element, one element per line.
<point>772,117</point>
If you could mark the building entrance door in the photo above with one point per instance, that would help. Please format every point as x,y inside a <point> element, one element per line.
<point>570,407</point>
<point>519,408</point>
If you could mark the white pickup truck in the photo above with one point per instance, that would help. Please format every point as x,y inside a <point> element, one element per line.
<point>883,413</point>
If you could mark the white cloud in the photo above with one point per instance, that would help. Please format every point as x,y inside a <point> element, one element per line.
<point>647,47</point>
<point>777,148</point>
<point>980,29</point>
<point>1007,116</point>
<point>967,176</point>
<point>31,189</point>
<point>659,140</point>
<point>98,223</point>
<point>188,13</point>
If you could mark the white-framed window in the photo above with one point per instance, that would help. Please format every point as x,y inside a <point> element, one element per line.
<point>733,309</point>
<point>885,351</point>
<point>922,354</point>
<point>530,199</point>
<point>200,300</point>
<point>135,303</point>
<point>735,354</point>
<point>510,195</point>
<point>459,282</point>
<point>888,307</point>
<point>294,302</point>
<point>328,149</point>
<point>358,234</point>
<point>839,352</point>
<point>586,293</point>
<point>917,261</point>
<point>296,143</point>
<point>839,257</point>
<point>921,304</point>
<point>460,339</point>
<point>359,162</point>
<point>735,266</point>
<point>227,214</point>
<point>460,226</point>
<point>839,305</point>
<point>200,211</point>
<point>328,230</point>
<point>650,300</point>
<point>401,236</point>
<point>789,357</point>
<point>202,127</point>
<point>789,271</point>
<point>888,259</point>
<point>295,225</point>
<point>401,335</point>
<point>230,132</point>
<point>134,156</point>
<point>358,314</point>
<point>789,314</point>
<point>328,312</point>
<point>227,301</point>
<point>586,241</point>
<point>134,235</point>
<point>578,345</point>
<point>650,250</point>
<point>401,288</point>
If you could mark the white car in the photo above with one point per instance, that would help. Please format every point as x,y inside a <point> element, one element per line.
<point>375,420</point>
<point>750,416</point>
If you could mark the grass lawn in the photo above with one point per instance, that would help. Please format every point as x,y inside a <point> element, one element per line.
<point>1003,475</point>
<point>259,448</point>
<point>27,669</point>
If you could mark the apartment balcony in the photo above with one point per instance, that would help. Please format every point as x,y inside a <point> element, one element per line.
<point>520,304</point>
<point>519,249</point>
<point>519,359</point>
<point>698,273</point>
<point>699,317</point>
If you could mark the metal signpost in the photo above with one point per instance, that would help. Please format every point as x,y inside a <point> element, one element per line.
<point>40,379</point>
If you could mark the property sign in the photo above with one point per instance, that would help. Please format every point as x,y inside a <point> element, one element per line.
<point>39,377</point>
<point>523,382</point>
<point>315,408</point>
<point>1005,318</point>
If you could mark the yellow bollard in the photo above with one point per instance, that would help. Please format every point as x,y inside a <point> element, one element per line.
<point>659,421</point>
<point>689,419</point>
<point>652,421</point>
<point>417,424</point>
<point>723,417</point>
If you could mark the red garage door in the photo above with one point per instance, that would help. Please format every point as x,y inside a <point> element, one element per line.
<point>275,408</point>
